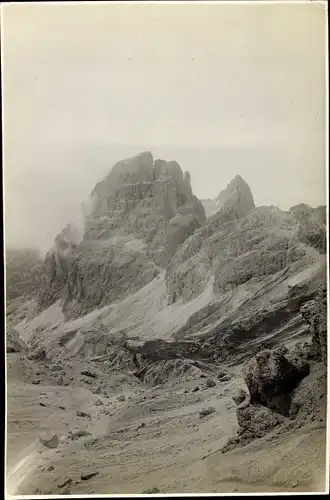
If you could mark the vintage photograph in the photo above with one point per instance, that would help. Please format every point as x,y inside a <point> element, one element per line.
<point>165,247</point>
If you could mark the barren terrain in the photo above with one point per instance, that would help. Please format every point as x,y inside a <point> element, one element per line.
<point>168,352</point>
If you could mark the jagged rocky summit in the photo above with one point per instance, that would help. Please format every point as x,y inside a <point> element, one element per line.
<point>134,221</point>
<point>236,196</point>
<point>241,243</point>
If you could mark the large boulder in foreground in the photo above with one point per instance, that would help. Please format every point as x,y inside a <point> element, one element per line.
<point>285,384</point>
<point>254,420</point>
<point>272,375</point>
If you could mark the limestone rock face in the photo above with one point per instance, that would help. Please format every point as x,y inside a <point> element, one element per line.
<point>241,244</point>
<point>309,399</point>
<point>237,196</point>
<point>134,222</point>
<point>98,275</point>
<point>151,200</point>
<point>312,229</point>
<point>233,252</point>
<point>56,266</point>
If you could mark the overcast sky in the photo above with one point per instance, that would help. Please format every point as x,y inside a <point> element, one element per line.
<point>222,89</point>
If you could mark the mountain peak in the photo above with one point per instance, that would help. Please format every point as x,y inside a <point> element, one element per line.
<point>237,195</point>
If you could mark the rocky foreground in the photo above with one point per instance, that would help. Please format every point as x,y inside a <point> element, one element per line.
<point>169,351</point>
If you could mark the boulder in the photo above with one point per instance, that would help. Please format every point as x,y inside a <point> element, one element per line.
<point>52,443</point>
<point>206,411</point>
<point>254,421</point>
<point>272,375</point>
<point>240,396</point>
<point>82,414</point>
<point>78,433</point>
<point>257,420</point>
<point>210,383</point>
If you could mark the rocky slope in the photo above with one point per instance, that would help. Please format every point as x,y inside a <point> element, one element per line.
<point>263,264</point>
<point>149,264</point>
<point>66,417</point>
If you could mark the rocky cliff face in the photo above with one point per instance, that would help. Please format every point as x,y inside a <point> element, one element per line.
<point>229,282</point>
<point>312,226</point>
<point>262,263</point>
<point>258,265</point>
<point>56,266</point>
<point>133,223</point>
<point>241,244</point>
<point>151,200</point>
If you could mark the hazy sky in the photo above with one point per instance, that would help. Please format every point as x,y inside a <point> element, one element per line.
<point>222,89</point>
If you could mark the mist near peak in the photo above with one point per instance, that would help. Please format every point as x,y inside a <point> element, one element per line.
<point>241,93</point>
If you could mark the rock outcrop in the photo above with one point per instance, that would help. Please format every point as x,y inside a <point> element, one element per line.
<point>232,251</point>
<point>314,313</point>
<point>133,223</point>
<point>236,199</point>
<point>254,421</point>
<point>56,266</point>
<point>312,226</point>
<point>272,375</point>
<point>309,399</point>
<point>262,264</point>
<point>13,341</point>
<point>151,200</point>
